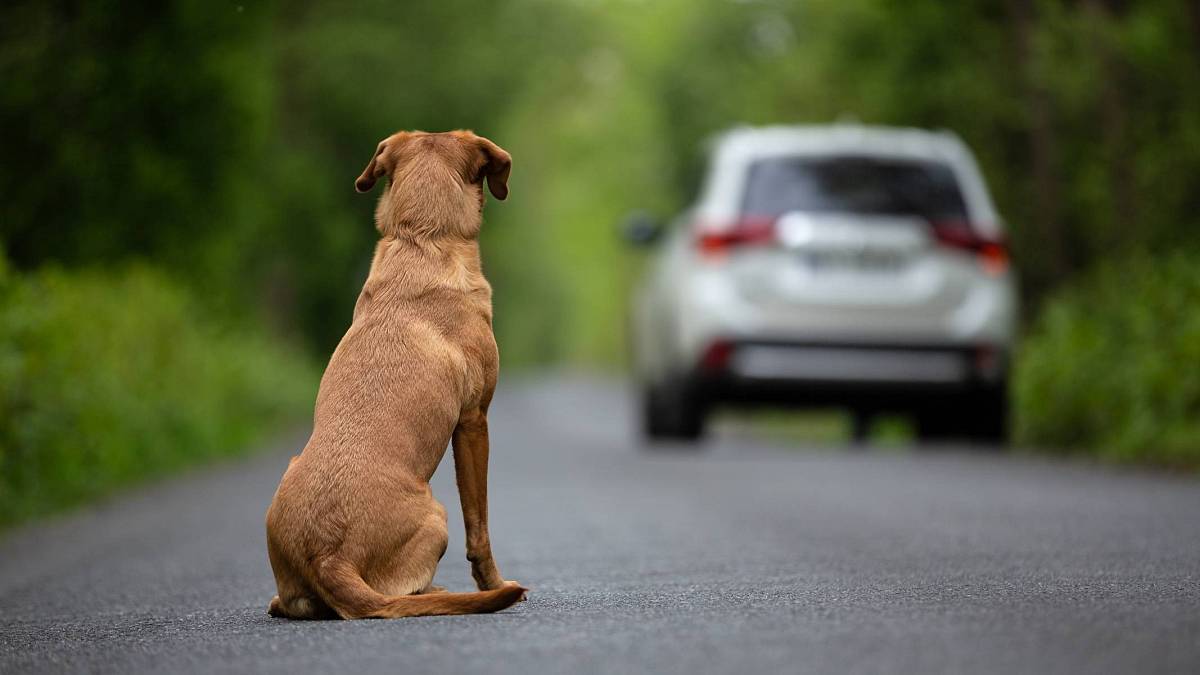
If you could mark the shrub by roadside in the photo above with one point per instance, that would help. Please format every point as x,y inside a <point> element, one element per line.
<point>107,378</point>
<point>1112,365</point>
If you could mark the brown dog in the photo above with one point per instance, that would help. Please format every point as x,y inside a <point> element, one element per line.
<point>354,530</point>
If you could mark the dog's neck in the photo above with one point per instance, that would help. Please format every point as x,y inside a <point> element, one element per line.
<point>414,266</point>
<point>429,222</point>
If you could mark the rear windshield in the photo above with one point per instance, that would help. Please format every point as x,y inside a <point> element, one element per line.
<point>854,184</point>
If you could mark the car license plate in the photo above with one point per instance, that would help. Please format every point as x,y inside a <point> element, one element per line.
<point>864,260</point>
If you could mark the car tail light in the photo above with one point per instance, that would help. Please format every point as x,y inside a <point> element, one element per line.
<point>718,240</point>
<point>716,357</point>
<point>988,361</point>
<point>992,254</point>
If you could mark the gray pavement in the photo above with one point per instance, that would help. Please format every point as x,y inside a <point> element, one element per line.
<point>747,556</point>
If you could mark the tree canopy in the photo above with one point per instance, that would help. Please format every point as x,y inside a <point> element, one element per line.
<point>220,140</point>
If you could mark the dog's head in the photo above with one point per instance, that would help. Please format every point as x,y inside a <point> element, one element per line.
<point>435,182</point>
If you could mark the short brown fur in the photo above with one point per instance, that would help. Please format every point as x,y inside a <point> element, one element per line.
<point>354,530</point>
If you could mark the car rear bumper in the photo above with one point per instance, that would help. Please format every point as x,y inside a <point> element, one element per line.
<point>892,376</point>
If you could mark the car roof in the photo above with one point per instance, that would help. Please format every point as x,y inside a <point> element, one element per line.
<point>839,138</point>
<point>734,150</point>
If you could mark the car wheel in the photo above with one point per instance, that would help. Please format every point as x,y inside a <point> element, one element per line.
<point>672,412</point>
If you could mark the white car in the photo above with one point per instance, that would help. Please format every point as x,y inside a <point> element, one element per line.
<point>841,265</point>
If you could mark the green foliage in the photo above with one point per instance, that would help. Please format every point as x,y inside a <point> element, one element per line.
<point>220,140</point>
<point>128,129</point>
<point>108,378</point>
<point>1109,367</point>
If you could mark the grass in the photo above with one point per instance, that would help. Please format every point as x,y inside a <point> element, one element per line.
<point>819,427</point>
<point>108,378</point>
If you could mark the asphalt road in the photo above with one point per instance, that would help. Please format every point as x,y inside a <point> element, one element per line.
<point>746,557</point>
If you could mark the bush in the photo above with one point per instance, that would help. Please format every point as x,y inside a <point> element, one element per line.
<point>110,378</point>
<point>1112,366</point>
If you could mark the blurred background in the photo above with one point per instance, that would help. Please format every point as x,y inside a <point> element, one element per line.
<point>182,244</point>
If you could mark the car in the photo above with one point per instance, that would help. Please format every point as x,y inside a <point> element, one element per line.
<point>843,265</point>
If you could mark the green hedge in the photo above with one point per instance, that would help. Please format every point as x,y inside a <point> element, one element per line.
<point>107,378</point>
<point>1112,365</point>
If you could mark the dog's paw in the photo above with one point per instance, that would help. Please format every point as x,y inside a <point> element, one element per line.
<point>513,584</point>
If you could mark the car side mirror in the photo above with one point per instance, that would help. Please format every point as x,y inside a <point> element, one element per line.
<point>641,229</point>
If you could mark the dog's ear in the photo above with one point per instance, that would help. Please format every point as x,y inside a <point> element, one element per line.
<point>374,170</point>
<point>376,167</point>
<point>496,166</point>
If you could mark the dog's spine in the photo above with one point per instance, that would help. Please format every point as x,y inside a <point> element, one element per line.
<point>343,588</point>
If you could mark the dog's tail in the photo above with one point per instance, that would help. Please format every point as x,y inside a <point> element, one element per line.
<point>343,588</point>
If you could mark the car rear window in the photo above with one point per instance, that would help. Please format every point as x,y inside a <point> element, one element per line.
<point>854,184</point>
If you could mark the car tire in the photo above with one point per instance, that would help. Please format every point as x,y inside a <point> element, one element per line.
<point>672,411</point>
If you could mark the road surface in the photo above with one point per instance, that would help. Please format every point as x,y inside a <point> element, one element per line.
<point>746,557</point>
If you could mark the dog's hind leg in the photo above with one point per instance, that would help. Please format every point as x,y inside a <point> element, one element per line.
<point>296,599</point>
<point>413,565</point>
<point>300,607</point>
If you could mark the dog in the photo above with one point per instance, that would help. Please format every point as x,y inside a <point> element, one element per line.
<point>354,530</point>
